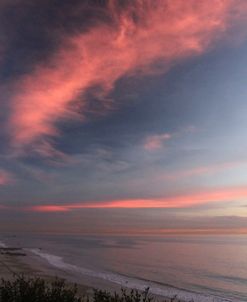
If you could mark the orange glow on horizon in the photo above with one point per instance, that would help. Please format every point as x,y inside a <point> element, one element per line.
<point>175,231</point>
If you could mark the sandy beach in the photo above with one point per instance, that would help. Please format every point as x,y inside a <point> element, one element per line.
<point>18,261</point>
<point>15,261</point>
<point>10,264</point>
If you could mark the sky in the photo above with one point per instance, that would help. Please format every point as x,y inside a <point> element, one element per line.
<point>123,116</point>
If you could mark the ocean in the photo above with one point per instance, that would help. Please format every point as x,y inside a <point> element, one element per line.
<point>204,266</point>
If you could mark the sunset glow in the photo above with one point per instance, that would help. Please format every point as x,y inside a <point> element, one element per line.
<point>129,107</point>
<point>123,162</point>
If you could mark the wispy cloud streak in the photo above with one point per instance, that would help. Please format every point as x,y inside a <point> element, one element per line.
<point>179,201</point>
<point>143,37</point>
<point>204,170</point>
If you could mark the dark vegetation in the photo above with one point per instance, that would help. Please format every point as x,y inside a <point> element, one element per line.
<point>22,289</point>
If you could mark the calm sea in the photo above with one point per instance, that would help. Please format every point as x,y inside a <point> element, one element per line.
<point>211,265</point>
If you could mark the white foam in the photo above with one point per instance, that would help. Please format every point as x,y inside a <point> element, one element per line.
<point>129,282</point>
<point>2,244</point>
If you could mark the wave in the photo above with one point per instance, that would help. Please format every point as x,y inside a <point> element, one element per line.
<point>130,282</point>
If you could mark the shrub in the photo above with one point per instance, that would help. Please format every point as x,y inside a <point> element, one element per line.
<point>22,289</point>
<point>133,296</point>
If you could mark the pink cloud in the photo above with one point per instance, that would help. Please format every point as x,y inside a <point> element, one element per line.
<point>5,178</point>
<point>178,201</point>
<point>155,142</point>
<point>48,208</point>
<point>165,32</point>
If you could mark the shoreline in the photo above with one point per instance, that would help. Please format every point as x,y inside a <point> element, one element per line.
<point>36,264</point>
